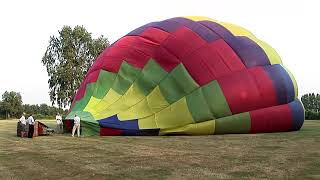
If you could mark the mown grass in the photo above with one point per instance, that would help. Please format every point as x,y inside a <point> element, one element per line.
<point>292,155</point>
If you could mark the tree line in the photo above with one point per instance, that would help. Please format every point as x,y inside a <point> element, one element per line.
<point>311,103</point>
<point>11,106</point>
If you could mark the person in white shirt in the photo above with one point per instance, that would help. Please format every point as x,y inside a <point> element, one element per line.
<point>23,124</point>
<point>59,123</point>
<point>23,121</point>
<point>76,125</point>
<point>31,126</point>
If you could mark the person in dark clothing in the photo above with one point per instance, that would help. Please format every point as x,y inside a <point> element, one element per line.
<point>31,126</point>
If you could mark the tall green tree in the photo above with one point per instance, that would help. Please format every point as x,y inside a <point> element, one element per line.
<point>311,103</point>
<point>11,104</point>
<point>67,59</point>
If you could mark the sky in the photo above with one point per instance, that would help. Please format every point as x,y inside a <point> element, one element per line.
<point>291,27</point>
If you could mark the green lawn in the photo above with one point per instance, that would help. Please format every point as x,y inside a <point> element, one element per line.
<point>293,155</point>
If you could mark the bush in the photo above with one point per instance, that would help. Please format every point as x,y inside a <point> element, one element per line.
<point>312,115</point>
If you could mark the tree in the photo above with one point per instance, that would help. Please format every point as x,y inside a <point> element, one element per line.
<point>11,104</point>
<point>311,103</point>
<point>43,111</point>
<point>67,59</point>
<point>4,108</point>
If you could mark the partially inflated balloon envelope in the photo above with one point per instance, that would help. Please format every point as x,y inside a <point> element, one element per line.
<point>188,75</point>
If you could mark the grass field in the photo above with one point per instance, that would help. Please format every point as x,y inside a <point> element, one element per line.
<point>293,155</point>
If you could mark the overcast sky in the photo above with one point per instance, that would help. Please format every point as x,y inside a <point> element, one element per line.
<point>291,27</point>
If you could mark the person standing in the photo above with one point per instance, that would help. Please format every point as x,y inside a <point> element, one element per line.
<point>59,123</point>
<point>31,126</point>
<point>76,125</point>
<point>23,122</point>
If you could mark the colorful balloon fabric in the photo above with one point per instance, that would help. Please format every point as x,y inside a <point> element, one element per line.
<point>188,75</point>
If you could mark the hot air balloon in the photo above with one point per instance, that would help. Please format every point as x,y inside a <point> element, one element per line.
<point>190,76</point>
